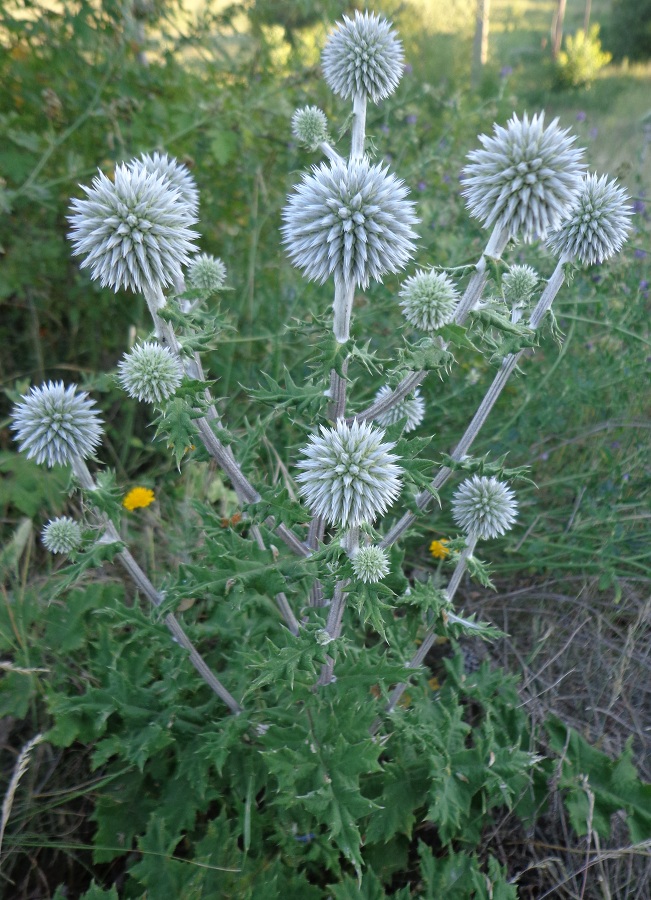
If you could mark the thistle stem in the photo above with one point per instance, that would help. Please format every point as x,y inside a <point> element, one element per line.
<point>342,307</point>
<point>333,627</point>
<point>359,126</point>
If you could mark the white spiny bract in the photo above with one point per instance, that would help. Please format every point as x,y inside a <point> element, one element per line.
<point>207,274</point>
<point>349,475</point>
<point>150,373</point>
<point>61,535</point>
<point>429,299</point>
<point>598,223</point>
<point>310,126</point>
<point>370,564</point>
<point>363,56</point>
<point>518,284</point>
<point>134,232</point>
<point>525,178</point>
<point>411,408</point>
<point>54,423</point>
<point>350,220</point>
<point>176,173</point>
<point>484,507</point>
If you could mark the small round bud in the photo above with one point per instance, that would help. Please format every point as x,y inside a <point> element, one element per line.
<point>310,126</point>
<point>370,564</point>
<point>150,373</point>
<point>519,284</point>
<point>484,507</point>
<point>61,535</point>
<point>429,300</point>
<point>410,408</point>
<point>207,274</point>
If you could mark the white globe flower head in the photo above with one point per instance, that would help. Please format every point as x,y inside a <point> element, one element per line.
<point>350,220</point>
<point>176,173</point>
<point>61,535</point>
<point>134,231</point>
<point>518,284</point>
<point>54,424</point>
<point>207,274</point>
<point>370,564</point>
<point>484,507</point>
<point>597,224</point>
<point>150,372</point>
<point>525,178</point>
<point>349,474</point>
<point>429,300</point>
<point>310,126</point>
<point>363,56</point>
<point>410,408</point>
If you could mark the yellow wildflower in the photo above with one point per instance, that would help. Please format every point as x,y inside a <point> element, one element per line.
<point>439,549</point>
<point>138,497</point>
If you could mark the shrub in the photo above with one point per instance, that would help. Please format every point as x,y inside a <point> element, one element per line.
<point>579,62</point>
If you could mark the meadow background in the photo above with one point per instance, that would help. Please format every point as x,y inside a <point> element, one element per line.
<point>87,84</point>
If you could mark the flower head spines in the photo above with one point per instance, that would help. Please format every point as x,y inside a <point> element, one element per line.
<point>518,285</point>
<point>134,231</point>
<point>349,474</point>
<point>207,274</point>
<point>150,373</point>
<point>484,507</point>
<point>370,564</point>
<point>597,224</point>
<point>176,173</point>
<point>350,220</point>
<point>54,424</point>
<point>310,126</point>
<point>61,535</point>
<point>429,300</point>
<point>525,178</point>
<point>411,408</point>
<point>363,56</point>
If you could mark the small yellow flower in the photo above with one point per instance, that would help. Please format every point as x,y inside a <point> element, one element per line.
<point>439,549</point>
<point>138,497</point>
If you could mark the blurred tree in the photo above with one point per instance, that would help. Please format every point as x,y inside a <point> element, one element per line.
<point>480,44</point>
<point>557,27</point>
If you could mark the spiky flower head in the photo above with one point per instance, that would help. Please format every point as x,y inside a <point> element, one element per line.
<point>61,535</point>
<point>54,423</point>
<point>370,564</point>
<point>350,220</point>
<point>518,284</point>
<point>310,126</point>
<point>411,408</point>
<point>349,475</point>
<point>429,299</point>
<point>177,174</point>
<point>207,274</point>
<point>597,224</point>
<point>363,56</point>
<point>150,372</point>
<point>484,507</point>
<point>134,231</point>
<point>525,178</point>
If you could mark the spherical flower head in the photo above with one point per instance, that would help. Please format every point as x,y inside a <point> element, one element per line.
<point>138,498</point>
<point>525,178</point>
<point>176,173</point>
<point>61,535</point>
<point>429,300</point>
<point>54,423</point>
<point>597,224</point>
<point>350,220</point>
<point>134,231</point>
<point>410,408</point>
<point>207,274</point>
<point>484,507</point>
<point>349,474</point>
<point>363,56</point>
<point>519,284</point>
<point>370,564</point>
<point>150,372</point>
<point>310,126</point>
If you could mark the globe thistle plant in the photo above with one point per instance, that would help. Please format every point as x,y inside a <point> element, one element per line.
<point>150,373</point>
<point>363,56</point>
<point>351,220</point>
<point>410,408</point>
<point>429,300</point>
<point>54,424</point>
<point>525,178</point>
<point>484,507</point>
<point>61,535</point>
<point>518,284</point>
<point>134,231</point>
<point>310,126</point>
<point>349,474</point>
<point>207,274</point>
<point>177,174</point>
<point>370,564</point>
<point>597,224</point>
